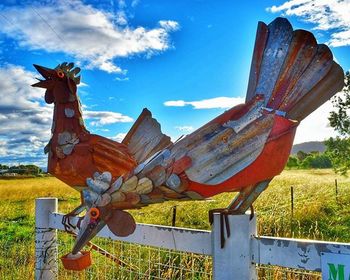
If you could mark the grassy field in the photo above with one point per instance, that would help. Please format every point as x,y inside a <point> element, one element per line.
<point>317,212</point>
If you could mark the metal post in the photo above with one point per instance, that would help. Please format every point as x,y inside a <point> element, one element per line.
<point>336,190</point>
<point>173,221</point>
<point>234,261</point>
<point>291,209</point>
<point>46,253</point>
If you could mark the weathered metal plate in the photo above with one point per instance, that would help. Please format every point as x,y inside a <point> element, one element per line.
<point>313,74</point>
<point>187,143</point>
<point>323,91</point>
<point>280,35</point>
<point>294,253</point>
<point>260,43</point>
<point>252,115</point>
<point>226,153</point>
<point>145,137</point>
<point>302,49</point>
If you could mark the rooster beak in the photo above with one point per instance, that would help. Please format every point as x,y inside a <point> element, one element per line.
<point>89,228</point>
<point>47,74</point>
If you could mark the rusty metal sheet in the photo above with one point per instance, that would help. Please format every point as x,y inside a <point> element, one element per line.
<point>192,140</point>
<point>280,36</point>
<point>227,153</point>
<point>302,49</point>
<point>323,91</point>
<point>247,196</point>
<point>242,158</point>
<point>253,114</point>
<point>260,42</point>
<point>313,74</point>
<point>145,137</point>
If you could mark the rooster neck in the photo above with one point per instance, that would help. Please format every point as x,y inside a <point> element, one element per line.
<point>68,128</point>
<point>68,117</point>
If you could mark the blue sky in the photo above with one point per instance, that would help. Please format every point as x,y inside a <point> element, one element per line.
<point>187,61</point>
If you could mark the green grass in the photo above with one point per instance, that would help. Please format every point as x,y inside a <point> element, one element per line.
<point>317,213</point>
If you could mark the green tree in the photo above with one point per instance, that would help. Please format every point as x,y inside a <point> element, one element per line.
<point>301,155</point>
<point>338,149</point>
<point>292,162</point>
<point>316,160</point>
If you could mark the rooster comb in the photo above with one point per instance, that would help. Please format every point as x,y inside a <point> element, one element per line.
<point>70,71</point>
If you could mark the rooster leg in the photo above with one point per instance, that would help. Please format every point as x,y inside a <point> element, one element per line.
<point>68,226</point>
<point>241,203</point>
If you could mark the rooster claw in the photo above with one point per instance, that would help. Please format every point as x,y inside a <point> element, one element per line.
<point>66,220</point>
<point>224,222</point>
<point>224,212</point>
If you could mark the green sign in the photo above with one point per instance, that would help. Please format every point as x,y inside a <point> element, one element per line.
<point>335,266</point>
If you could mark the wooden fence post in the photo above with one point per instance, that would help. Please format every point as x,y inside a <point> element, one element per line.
<point>173,220</point>
<point>336,190</point>
<point>291,210</point>
<point>234,261</point>
<point>46,253</point>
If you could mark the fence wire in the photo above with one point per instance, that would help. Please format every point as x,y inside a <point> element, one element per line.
<point>141,262</point>
<point>147,262</point>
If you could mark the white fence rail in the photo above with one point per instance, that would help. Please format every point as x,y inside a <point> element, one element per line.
<point>237,260</point>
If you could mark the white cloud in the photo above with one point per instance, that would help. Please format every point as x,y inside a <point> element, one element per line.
<point>211,103</point>
<point>105,117</point>
<point>327,15</point>
<point>92,36</point>
<point>185,128</point>
<point>119,137</point>
<point>134,3</point>
<point>169,25</point>
<point>315,127</point>
<point>122,79</point>
<point>82,84</point>
<point>25,120</point>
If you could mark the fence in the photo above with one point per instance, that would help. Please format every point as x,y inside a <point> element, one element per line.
<point>244,250</point>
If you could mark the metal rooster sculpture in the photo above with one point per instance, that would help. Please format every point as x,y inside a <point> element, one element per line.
<point>241,150</point>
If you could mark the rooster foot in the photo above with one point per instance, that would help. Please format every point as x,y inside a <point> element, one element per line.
<point>224,222</point>
<point>66,220</point>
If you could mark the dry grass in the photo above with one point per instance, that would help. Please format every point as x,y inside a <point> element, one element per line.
<point>317,214</point>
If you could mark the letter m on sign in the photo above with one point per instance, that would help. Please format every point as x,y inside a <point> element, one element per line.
<point>335,266</point>
<point>336,272</point>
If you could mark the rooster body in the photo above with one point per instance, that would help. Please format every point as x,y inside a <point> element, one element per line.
<point>241,150</point>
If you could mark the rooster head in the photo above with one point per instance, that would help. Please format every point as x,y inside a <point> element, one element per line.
<point>60,83</point>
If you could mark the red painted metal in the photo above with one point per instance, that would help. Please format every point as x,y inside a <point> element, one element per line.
<point>270,163</point>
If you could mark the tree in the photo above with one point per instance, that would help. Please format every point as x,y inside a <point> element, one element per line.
<point>339,119</point>
<point>301,155</point>
<point>292,162</point>
<point>338,149</point>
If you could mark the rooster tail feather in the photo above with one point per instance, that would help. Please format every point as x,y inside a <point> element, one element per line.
<point>294,73</point>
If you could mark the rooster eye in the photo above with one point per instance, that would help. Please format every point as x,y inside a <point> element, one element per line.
<point>60,73</point>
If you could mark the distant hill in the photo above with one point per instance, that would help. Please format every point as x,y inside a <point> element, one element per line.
<point>308,147</point>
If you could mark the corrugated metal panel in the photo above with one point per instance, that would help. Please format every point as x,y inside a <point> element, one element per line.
<point>322,92</point>
<point>280,35</point>
<point>260,42</point>
<point>145,137</point>
<point>181,148</point>
<point>226,153</point>
<point>314,73</point>
<point>302,49</point>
